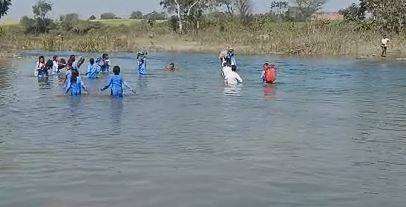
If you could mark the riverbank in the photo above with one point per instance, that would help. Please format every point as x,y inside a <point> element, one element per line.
<point>334,39</point>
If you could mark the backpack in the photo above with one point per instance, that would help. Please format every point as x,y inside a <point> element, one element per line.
<point>270,75</point>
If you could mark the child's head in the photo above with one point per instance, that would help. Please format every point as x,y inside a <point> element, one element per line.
<point>105,56</point>
<point>91,61</point>
<point>62,61</point>
<point>234,68</point>
<point>266,65</point>
<point>49,64</point>
<point>41,59</point>
<point>116,70</point>
<point>55,58</point>
<point>172,65</point>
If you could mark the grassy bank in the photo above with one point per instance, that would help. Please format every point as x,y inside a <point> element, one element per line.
<point>334,38</point>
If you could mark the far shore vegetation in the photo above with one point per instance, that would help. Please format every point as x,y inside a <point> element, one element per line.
<point>294,27</point>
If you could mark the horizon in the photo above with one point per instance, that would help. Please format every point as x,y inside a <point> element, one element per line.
<point>122,9</point>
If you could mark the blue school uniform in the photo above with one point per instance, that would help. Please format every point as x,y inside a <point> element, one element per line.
<point>75,88</point>
<point>142,66</point>
<point>93,71</point>
<point>116,83</point>
<point>233,60</point>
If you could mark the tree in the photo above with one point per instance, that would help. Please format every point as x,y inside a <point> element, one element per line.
<point>72,17</point>
<point>136,15</point>
<point>93,17</point>
<point>27,23</point>
<point>308,7</point>
<point>354,12</point>
<point>229,4</point>
<point>389,14</point>
<point>244,8</point>
<point>4,6</point>
<point>41,9</point>
<point>155,16</point>
<point>185,8</point>
<point>69,20</point>
<point>108,15</point>
<point>42,23</point>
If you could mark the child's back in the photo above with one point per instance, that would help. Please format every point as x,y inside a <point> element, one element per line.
<point>92,70</point>
<point>116,83</point>
<point>75,85</point>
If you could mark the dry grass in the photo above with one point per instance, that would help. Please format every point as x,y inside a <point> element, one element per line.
<point>270,38</point>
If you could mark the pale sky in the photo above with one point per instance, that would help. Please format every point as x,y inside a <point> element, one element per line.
<point>123,8</point>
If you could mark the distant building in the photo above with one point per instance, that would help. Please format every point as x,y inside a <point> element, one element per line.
<point>331,16</point>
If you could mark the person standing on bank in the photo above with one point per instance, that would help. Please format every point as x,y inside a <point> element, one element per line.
<point>384,45</point>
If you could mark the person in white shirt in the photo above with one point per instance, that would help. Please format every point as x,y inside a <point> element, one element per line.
<point>232,78</point>
<point>226,69</point>
<point>55,65</point>
<point>384,45</point>
<point>39,65</point>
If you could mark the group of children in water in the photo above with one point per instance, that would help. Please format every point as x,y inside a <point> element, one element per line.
<point>69,76</point>
<point>229,70</point>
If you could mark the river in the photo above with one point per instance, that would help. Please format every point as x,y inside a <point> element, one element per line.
<point>332,132</point>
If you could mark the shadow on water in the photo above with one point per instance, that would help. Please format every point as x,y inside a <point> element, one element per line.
<point>142,82</point>
<point>116,115</point>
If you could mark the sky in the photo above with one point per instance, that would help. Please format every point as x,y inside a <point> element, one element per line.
<point>123,8</point>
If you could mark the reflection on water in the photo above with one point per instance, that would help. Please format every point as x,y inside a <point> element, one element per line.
<point>232,90</point>
<point>116,115</point>
<point>269,90</point>
<point>332,132</point>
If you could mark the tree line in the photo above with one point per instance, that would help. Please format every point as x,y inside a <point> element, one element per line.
<point>388,15</point>
<point>186,15</point>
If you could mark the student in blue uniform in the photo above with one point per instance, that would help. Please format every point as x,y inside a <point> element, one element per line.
<point>92,70</point>
<point>116,83</point>
<point>232,59</point>
<point>104,63</point>
<point>75,85</point>
<point>142,63</point>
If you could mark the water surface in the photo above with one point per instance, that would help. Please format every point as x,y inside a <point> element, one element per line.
<point>331,133</point>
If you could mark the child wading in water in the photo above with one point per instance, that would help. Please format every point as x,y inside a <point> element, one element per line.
<point>269,74</point>
<point>75,85</point>
<point>142,63</point>
<point>92,70</point>
<point>116,83</point>
<point>40,65</point>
